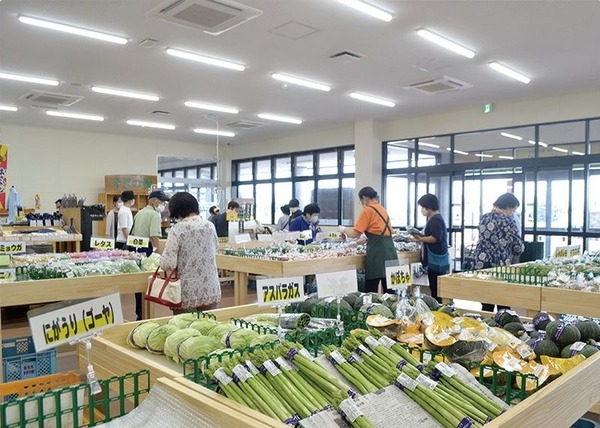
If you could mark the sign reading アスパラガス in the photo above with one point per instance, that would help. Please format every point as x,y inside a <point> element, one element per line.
<point>66,324</point>
<point>280,291</point>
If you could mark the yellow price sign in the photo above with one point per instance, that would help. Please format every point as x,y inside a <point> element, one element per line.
<point>7,275</point>
<point>398,276</point>
<point>137,241</point>
<point>561,252</point>
<point>280,291</point>
<point>102,243</point>
<point>12,247</point>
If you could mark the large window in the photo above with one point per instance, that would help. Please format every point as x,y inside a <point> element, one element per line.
<point>199,180</point>
<point>552,168</point>
<point>324,176</point>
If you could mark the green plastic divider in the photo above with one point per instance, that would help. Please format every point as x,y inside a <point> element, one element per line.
<point>76,405</point>
<point>510,386</point>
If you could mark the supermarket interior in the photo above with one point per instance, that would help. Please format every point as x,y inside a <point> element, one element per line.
<point>345,213</point>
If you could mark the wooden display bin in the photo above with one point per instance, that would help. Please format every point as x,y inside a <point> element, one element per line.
<point>490,291</point>
<point>562,301</point>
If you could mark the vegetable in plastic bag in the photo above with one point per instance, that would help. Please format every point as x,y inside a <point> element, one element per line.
<point>155,343</point>
<point>175,339</point>
<point>422,311</point>
<point>203,325</point>
<point>151,263</point>
<point>288,321</point>
<point>376,309</point>
<point>221,330</point>
<point>465,352</point>
<point>238,338</point>
<point>184,320</point>
<point>196,347</point>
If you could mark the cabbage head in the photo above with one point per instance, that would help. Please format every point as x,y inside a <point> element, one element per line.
<point>221,330</point>
<point>239,338</point>
<point>151,263</point>
<point>155,343</point>
<point>137,337</point>
<point>196,347</point>
<point>183,320</point>
<point>175,339</point>
<point>203,325</point>
<point>376,309</point>
<point>263,338</point>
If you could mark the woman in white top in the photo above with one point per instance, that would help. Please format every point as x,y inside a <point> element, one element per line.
<point>284,221</point>
<point>192,248</point>
<point>112,218</point>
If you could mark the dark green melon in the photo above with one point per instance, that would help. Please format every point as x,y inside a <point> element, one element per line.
<point>504,316</point>
<point>515,328</point>
<point>541,320</point>
<point>589,330</point>
<point>545,347</point>
<point>587,351</point>
<point>562,333</point>
<point>430,302</point>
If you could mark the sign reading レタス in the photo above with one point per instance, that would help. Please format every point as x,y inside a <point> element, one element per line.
<point>102,243</point>
<point>137,241</point>
<point>280,291</point>
<point>12,247</point>
<point>242,238</point>
<point>64,325</point>
<point>337,283</point>
<point>398,276</point>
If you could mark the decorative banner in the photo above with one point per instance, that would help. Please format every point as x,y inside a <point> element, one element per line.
<point>64,325</point>
<point>102,243</point>
<point>264,237</point>
<point>337,283</point>
<point>242,238</point>
<point>398,276</point>
<point>561,252</point>
<point>139,184</point>
<point>7,275</point>
<point>574,250</point>
<point>3,175</point>
<point>12,247</point>
<point>137,241</point>
<point>279,291</point>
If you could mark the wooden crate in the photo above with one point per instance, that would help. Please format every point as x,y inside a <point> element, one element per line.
<point>490,291</point>
<point>575,302</point>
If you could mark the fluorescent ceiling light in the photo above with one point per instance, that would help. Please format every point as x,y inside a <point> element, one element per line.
<point>509,72</point>
<point>368,9</point>
<point>435,146</point>
<point>214,132</point>
<point>72,30</point>
<point>128,94</point>
<point>506,157</point>
<point>483,155</point>
<point>74,115</point>
<point>513,136</point>
<point>212,107</point>
<point>20,78</point>
<point>144,124</point>
<point>445,43</point>
<point>542,144</point>
<point>560,149</point>
<point>301,82</point>
<point>371,99</point>
<point>8,108</point>
<point>577,153</point>
<point>279,118</point>
<point>460,152</point>
<point>206,60</point>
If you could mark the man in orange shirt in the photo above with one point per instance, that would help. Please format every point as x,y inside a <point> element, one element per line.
<point>374,222</point>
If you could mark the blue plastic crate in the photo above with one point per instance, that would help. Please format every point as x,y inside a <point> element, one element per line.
<point>20,361</point>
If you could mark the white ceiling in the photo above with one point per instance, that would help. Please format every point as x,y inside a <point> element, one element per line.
<point>556,43</point>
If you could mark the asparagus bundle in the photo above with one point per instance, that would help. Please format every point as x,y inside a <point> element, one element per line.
<point>351,373</point>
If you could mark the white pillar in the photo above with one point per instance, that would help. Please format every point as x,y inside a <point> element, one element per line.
<point>367,146</point>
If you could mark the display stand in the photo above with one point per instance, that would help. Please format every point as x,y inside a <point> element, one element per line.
<point>61,242</point>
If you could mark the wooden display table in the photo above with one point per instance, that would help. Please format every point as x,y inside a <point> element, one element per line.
<point>491,291</point>
<point>61,241</point>
<point>558,404</point>
<point>575,302</point>
<point>52,290</point>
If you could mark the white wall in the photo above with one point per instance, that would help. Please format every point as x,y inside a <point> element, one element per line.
<point>50,162</point>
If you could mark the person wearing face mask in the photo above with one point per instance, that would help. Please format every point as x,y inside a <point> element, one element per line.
<point>435,255</point>
<point>374,222</point>
<point>112,218</point>
<point>124,219</point>
<point>308,221</point>
<point>295,211</point>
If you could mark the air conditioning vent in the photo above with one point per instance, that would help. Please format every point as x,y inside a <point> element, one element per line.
<point>245,124</point>
<point>50,99</point>
<point>438,85</point>
<point>211,16</point>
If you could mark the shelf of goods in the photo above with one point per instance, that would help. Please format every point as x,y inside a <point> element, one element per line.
<point>558,404</point>
<point>242,266</point>
<point>52,290</point>
<point>61,241</point>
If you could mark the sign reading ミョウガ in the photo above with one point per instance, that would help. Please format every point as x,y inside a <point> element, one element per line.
<point>66,324</point>
<point>12,247</point>
<point>280,291</point>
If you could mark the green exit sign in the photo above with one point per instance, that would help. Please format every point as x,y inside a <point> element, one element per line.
<point>487,108</point>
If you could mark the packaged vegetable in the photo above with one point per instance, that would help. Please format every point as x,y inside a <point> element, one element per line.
<point>138,336</point>
<point>175,339</point>
<point>155,343</point>
<point>196,347</point>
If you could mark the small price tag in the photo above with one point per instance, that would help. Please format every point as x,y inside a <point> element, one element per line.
<point>514,342</point>
<point>367,300</point>
<point>137,241</point>
<point>442,336</point>
<point>280,291</point>
<point>337,283</point>
<point>272,368</point>
<point>337,357</point>
<point>398,276</point>
<point>222,377</point>
<point>538,370</point>
<point>404,381</point>
<point>426,357</point>
<point>356,358</point>
<point>524,351</point>
<point>362,349</point>
<point>8,275</point>
<point>371,342</point>
<point>242,373</point>
<point>102,243</point>
<point>333,235</point>
<point>445,369</point>
<point>305,235</point>
<point>14,247</point>
<point>574,250</point>
<point>304,352</point>
<point>284,365</point>
<point>350,410</point>
<point>490,344</point>
<point>242,238</point>
<point>252,368</point>
<point>386,341</point>
<point>427,382</point>
<point>577,346</point>
<point>264,237</point>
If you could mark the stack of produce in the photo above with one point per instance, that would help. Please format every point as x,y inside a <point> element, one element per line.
<point>189,336</point>
<point>286,252</point>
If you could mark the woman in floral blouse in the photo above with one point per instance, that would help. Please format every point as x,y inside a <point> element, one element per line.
<point>191,248</point>
<point>499,239</point>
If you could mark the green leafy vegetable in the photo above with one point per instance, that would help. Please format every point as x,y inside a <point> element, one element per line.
<point>155,343</point>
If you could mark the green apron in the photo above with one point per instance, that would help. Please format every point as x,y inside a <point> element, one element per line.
<point>379,249</point>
